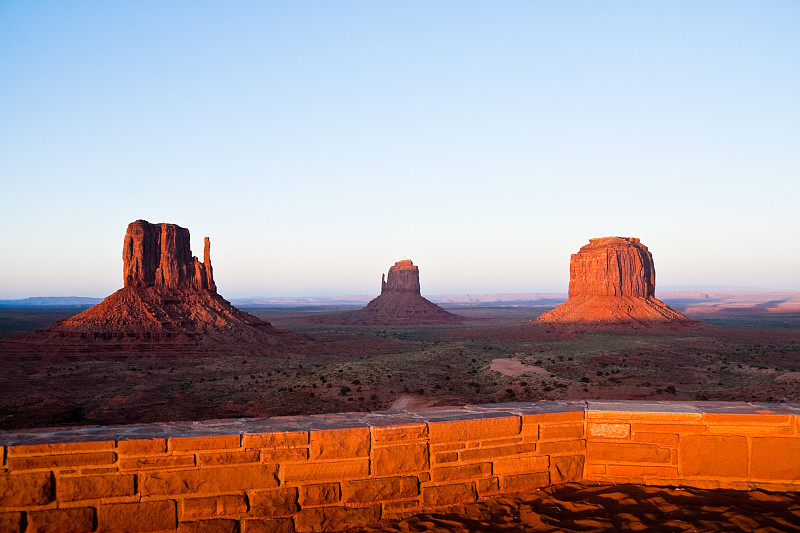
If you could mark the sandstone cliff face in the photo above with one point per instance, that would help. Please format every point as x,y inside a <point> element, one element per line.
<point>158,255</point>
<point>612,266</point>
<point>612,280</point>
<point>403,277</point>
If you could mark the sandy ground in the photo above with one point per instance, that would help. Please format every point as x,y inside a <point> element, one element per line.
<point>575,507</point>
<point>515,369</point>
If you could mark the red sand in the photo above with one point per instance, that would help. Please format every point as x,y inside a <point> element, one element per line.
<point>575,507</point>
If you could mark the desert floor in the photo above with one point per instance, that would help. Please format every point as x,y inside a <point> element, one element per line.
<point>497,355</point>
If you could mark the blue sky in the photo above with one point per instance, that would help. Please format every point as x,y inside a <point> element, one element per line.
<point>317,143</point>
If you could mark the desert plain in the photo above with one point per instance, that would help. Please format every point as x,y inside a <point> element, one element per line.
<point>743,346</point>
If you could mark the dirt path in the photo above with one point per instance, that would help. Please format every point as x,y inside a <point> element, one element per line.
<point>513,368</point>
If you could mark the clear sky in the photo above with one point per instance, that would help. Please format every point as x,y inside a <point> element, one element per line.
<point>317,143</point>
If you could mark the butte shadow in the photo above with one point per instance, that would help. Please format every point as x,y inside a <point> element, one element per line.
<point>169,302</point>
<point>399,304</point>
<point>612,283</point>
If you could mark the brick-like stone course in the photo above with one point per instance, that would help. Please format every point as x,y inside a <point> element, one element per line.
<point>329,472</point>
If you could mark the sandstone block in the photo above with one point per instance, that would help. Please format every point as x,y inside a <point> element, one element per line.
<point>216,525</point>
<point>471,471</point>
<point>776,458</point>
<point>193,444</point>
<point>69,488</point>
<point>223,479</point>
<point>271,503</point>
<point>77,520</point>
<point>376,490</point>
<point>473,429</point>
<point>566,431</point>
<point>664,472</point>
<point>519,465</point>
<point>610,431</point>
<point>228,458</point>
<point>60,447</point>
<point>345,443</point>
<point>11,522</point>
<point>626,452</point>
<point>327,471</point>
<point>26,489</point>
<point>484,454</point>
<point>275,440</point>
<point>141,447</point>
<point>320,494</point>
<point>275,525</point>
<point>156,462</point>
<point>214,506</point>
<point>713,456</point>
<point>525,481</point>
<point>400,459</point>
<point>449,494</point>
<point>335,518</point>
<point>140,516</point>
<point>287,455</point>
<point>488,486</point>
<point>554,418</point>
<point>657,438</point>
<point>566,468</point>
<point>36,462</point>
<point>566,446</point>
<point>405,432</point>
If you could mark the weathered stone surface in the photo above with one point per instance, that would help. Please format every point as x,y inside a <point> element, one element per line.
<point>209,480</point>
<point>612,280</point>
<point>141,516</point>
<point>77,520</point>
<point>89,487</point>
<point>25,489</point>
<point>270,503</point>
<point>776,458</point>
<point>396,459</point>
<point>320,494</point>
<point>227,505</point>
<point>373,490</point>
<point>335,518</point>
<point>159,255</point>
<point>449,494</point>
<point>566,468</point>
<point>713,456</point>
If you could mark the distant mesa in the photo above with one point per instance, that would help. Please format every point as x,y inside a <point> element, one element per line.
<point>612,280</point>
<point>167,294</point>
<point>400,303</point>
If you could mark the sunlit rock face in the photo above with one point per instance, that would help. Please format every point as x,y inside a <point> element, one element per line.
<point>168,293</point>
<point>403,276</point>
<point>612,280</point>
<point>159,255</point>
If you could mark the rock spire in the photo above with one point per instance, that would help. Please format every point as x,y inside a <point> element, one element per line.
<point>158,255</point>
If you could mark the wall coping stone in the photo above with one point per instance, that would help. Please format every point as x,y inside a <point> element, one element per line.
<point>378,419</point>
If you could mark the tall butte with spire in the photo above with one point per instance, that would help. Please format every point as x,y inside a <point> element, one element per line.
<point>612,280</point>
<point>168,294</point>
<point>400,303</point>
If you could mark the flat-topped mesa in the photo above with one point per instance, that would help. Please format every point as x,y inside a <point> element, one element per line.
<point>403,277</point>
<point>612,280</point>
<point>612,266</point>
<point>159,255</point>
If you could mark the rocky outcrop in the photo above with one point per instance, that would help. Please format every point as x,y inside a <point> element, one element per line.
<point>168,294</point>
<point>612,280</point>
<point>400,303</point>
<point>403,277</point>
<point>159,255</point>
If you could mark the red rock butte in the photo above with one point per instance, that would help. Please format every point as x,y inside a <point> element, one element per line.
<point>167,294</point>
<point>399,304</point>
<point>612,280</point>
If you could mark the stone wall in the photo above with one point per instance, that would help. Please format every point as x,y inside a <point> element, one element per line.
<point>332,471</point>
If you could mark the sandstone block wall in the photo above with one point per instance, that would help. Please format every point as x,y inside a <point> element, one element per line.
<point>328,472</point>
